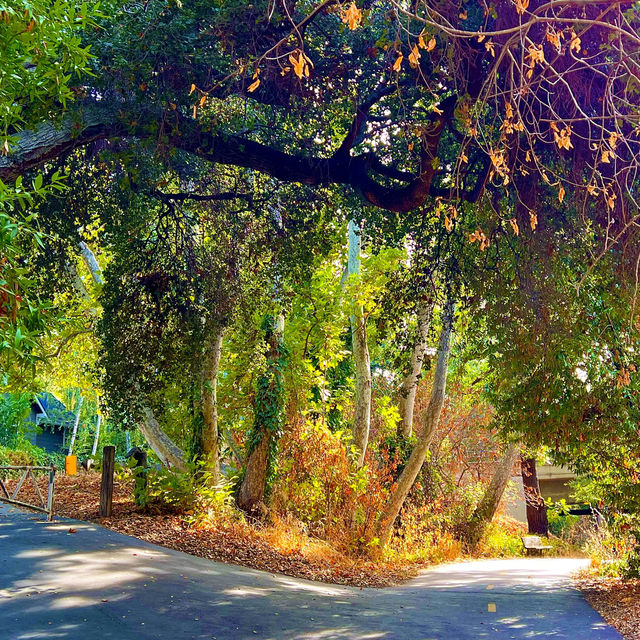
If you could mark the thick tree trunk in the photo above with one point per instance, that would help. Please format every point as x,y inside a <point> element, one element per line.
<point>386,519</point>
<point>361,360</point>
<point>169,453</point>
<point>536,508</point>
<point>410,383</point>
<point>488,506</point>
<point>76,422</point>
<point>267,426</point>
<point>252,490</point>
<point>96,438</point>
<point>209,393</point>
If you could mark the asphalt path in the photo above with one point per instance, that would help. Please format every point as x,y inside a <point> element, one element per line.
<point>99,584</point>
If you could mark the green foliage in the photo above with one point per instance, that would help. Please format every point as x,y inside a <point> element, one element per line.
<point>561,522</point>
<point>23,453</point>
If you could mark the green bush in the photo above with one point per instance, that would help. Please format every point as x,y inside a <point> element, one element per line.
<point>23,454</point>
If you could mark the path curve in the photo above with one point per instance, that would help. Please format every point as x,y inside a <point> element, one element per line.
<point>97,583</point>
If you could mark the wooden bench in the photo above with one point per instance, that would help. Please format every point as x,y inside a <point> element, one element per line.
<point>534,546</point>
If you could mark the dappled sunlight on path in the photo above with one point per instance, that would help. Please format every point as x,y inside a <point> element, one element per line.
<point>57,584</point>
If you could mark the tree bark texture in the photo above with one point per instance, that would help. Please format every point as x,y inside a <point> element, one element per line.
<point>89,259</point>
<point>96,438</point>
<point>267,426</point>
<point>169,453</point>
<point>488,506</point>
<point>209,393</point>
<point>536,508</point>
<point>361,359</point>
<point>76,422</point>
<point>409,385</point>
<point>386,519</point>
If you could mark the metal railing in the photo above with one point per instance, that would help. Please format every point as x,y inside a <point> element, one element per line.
<point>44,507</point>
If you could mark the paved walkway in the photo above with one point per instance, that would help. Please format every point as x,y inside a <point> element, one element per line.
<point>99,584</point>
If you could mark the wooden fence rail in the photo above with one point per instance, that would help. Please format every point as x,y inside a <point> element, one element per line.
<point>44,507</point>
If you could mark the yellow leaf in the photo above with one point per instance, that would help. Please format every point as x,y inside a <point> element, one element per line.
<point>514,225</point>
<point>535,55</point>
<point>447,223</point>
<point>463,157</point>
<point>463,14</point>
<point>398,63</point>
<point>414,56</point>
<point>533,220</point>
<point>561,193</point>
<point>613,139</point>
<point>193,88</point>
<point>352,16</point>
<point>592,190</point>
<point>521,6</point>
<point>253,86</point>
<point>606,157</point>
<point>298,65</point>
<point>575,42</point>
<point>435,108</point>
<point>203,100</point>
<point>431,45</point>
<point>490,47</point>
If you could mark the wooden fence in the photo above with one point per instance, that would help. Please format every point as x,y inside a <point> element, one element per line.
<point>27,472</point>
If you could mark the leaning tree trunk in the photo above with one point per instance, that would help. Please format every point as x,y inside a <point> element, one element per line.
<point>96,438</point>
<point>209,393</point>
<point>267,424</point>
<point>536,508</point>
<point>486,509</point>
<point>76,422</point>
<point>89,259</point>
<point>169,453</point>
<point>361,360</point>
<point>386,519</point>
<point>410,383</point>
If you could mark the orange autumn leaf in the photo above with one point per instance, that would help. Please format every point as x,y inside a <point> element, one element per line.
<point>254,85</point>
<point>561,193</point>
<point>398,63</point>
<point>414,56</point>
<point>298,64</point>
<point>533,220</point>
<point>575,43</point>
<point>352,16</point>
<point>514,225</point>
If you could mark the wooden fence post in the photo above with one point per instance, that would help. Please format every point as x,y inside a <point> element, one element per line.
<point>51,490</point>
<point>106,486</point>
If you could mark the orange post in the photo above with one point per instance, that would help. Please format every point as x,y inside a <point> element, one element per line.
<point>71,465</point>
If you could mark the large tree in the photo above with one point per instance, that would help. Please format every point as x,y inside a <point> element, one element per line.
<point>402,104</point>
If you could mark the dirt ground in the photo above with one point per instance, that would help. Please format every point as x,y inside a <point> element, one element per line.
<point>277,549</point>
<point>617,601</point>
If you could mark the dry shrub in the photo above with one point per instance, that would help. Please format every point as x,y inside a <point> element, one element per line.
<point>318,485</point>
